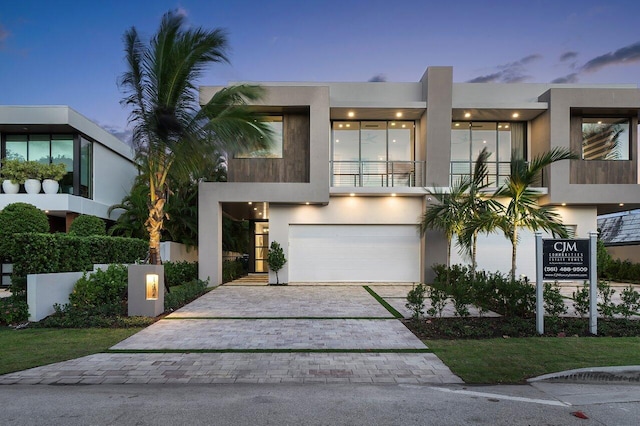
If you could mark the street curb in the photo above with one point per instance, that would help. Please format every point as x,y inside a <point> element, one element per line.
<point>629,374</point>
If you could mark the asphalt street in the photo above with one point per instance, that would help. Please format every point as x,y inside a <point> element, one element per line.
<point>315,404</point>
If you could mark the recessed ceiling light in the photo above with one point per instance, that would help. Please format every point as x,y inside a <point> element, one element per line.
<point>564,204</point>
<point>506,126</point>
<point>467,114</point>
<point>404,125</point>
<point>457,124</point>
<point>340,125</point>
<point>259,213</point>
<point>250,203</point>
<point>394,141</point>
<point>393,195</point>
<point>398,114</point>
<point>352,195</point>
<point>351,113</point>
<point>255,208</point>
<point>307,203</point>
<point>515,115</point>
<point>393,124</point>
<point>484,141</point>
<point>500,126</point>
<point>348,125</point>
<point>621,204</point>
<point>46,211</point>
<point>599,122</point>
<point>337,140</point>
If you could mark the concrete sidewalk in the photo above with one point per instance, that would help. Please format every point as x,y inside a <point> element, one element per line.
<point>252,334</point>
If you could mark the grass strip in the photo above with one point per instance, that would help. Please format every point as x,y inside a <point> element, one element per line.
<point>493,361</point>
<point>33,347</point>
<point>384,303</point>
<point>278,318</point>
<point>268,351</point>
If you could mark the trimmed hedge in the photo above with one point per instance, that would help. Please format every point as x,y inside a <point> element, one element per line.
<point>19,217</point>
<point>86,225</point>
<point>178,273</point>
<point>47,253</point>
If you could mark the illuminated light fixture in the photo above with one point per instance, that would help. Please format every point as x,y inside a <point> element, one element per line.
<point>340,125</point>
<point>599,122</point>
<point>348,125</point>
<point>404,125</point>
<point>500,126</point>
<point>515,115</point>
<point>250,203</point>
<point>152,286</point>
<point>307,203</point>
<point>351,113</point>
<point>467,114</point>
<point>337,140</point>
<point>46,211</point>
<point>563,204</point>
<point>484,141</point>
<point>255,208</point>
<point>393,124</point>
<point>394,141</point>
<point>506,126</point>
<point>259,213</point>
<point>265,229</point>
<point>621,204</point>
<point>393,195</point>
<point>352,195</point>
<point>457,124</point>
<point>398,114</point>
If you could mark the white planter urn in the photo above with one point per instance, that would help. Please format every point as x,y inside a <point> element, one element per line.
<point>50,186</point>
<point>32,186</point>
<point>9,187</point>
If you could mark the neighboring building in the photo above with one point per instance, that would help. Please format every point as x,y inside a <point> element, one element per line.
<point>621,235</point>
<point>100,168</point>
<point>346,183</point>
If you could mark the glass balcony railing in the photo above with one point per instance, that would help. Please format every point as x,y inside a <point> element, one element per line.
<point>378,173</point>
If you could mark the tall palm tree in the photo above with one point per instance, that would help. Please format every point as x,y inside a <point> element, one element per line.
<point>480,210</point>
<point>447,215</point>
<point>523,210</point>
<point>170,131</point>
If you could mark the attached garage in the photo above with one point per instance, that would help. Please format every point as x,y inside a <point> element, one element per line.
<point>354,253</point>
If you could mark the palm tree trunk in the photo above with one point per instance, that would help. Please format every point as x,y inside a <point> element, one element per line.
<point>448,260</point>
<point>154,226</point>
<point>474,247</point>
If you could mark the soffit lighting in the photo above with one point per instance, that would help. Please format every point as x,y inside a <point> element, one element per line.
<point>467,114</point>
<point>348,125</point>
<point>404,125</point>
<point>484,141</point>
<point>564,204</point>
<point>340,125</point>
<point>515,115</point>
<point>255,208</point>
<point>621,204</point>
<point>506,126</point>
<point>352,195</point>
<point>250,203</point>
<point>307,203</point>
<point>393,195</point>
<point>337,140</point>
<point>457,124</point>
<point>393,123</point>
<point>351,114</point>
<point>398,114</point>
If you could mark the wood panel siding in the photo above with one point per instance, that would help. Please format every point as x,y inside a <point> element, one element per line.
<point>603,171</point>
<point>292,167</point>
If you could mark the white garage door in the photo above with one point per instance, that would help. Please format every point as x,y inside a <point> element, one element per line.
<point>354,253</point>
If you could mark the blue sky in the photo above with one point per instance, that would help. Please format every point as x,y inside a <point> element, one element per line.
<point>71,52</point>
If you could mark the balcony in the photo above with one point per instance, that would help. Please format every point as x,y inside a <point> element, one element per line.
<point>497,171</point>
<point>377,173</point>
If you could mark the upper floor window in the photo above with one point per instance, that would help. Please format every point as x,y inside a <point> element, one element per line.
<point>373,140</point>
<point>275,150</point>
<point>503,140</point>
<point>605,139</point>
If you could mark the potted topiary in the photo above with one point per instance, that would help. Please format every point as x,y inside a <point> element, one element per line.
<point>52,174</point>
<point>12,175</point>
<point>33,172</point>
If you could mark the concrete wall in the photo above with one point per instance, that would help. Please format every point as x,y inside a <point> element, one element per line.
<point>631,253</point>
<point>113,176</point>
<point>176,252</point>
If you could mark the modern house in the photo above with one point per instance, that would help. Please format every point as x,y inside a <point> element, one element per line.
<point>354,163</point>
<point>100,167</point>
<point>621,235</point>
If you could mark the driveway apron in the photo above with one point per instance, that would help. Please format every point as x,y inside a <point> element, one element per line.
<point>262,334</point>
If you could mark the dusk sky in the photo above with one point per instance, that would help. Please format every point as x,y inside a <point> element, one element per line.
<point>71,52</point>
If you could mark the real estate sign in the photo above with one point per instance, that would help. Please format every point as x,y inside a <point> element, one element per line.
<point>565,259</point>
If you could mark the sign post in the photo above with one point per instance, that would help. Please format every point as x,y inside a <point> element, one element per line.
<point>566,259</point>
<point>593,285</point>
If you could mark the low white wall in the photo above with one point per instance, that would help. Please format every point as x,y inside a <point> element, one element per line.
<point>45,290</point>
<point>177,252</point>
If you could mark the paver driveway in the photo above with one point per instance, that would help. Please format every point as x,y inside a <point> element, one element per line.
<point>262,335</point>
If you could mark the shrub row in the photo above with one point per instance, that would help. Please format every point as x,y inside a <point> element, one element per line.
<point>47,253</point>
<point>182,294</point>
<point>622,270</point>
<point>232,269</point>
<point>177,273</point>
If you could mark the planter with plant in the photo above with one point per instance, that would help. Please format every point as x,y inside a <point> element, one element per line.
<point>52,174</point>
<point>12,176</point>
<point>33,174</point>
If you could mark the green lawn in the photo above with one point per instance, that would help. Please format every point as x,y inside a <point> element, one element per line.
<point>22,349</point>
<point>515,360</point>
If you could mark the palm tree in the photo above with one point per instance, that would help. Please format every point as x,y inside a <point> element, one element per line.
<point>170,131</point>
<point>447,215</point>
<point>481,212</point>
<point>523,209</point>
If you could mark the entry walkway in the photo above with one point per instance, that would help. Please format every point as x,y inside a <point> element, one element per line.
<point>249,334</point>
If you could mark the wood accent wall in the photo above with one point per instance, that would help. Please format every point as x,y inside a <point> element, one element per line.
<point>292,167</point>
<point>603,171</point>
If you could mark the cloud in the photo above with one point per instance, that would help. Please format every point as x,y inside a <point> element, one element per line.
<point>568,56</point>
<point>125,135</point>
<point>569,78</point>
<point>378,78</point>
<point>511,72</point>
<point>181,11</point>
<point>622,56</point>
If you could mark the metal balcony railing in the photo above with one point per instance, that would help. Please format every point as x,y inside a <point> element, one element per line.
<point>498,171</point>
<point>378,173</point>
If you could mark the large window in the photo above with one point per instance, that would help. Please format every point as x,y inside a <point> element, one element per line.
<point>275,150</point>
<point>605,139</point>
<point>503,140</point>
<point>56,148</point>
<point>373,153</point>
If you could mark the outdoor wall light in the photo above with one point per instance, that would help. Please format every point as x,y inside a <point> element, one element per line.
<point>152,286</point>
